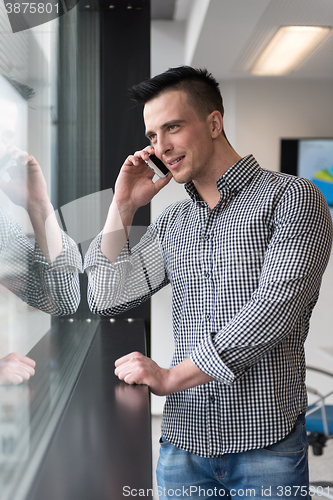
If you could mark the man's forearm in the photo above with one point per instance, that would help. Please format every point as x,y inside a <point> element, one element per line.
<point>134,188</point>
<point>46,228</point>
<point>116,231</point>
<point>186,375</point>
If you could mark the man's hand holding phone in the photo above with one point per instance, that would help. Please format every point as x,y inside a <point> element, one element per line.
<point>157,166</point>
<point>134,188</point>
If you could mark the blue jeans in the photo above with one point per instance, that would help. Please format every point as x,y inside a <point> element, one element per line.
<point>277,472</point>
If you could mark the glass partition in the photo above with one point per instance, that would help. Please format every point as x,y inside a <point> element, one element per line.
<point>49,152</point>
<point>66,125</point>
<point>27,82</point>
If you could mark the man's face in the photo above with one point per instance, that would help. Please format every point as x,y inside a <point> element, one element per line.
<point>180,139</point>
<point>8,120</point>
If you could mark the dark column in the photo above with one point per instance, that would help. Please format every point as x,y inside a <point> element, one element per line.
<point>125,61</point>
<point>104,48</point>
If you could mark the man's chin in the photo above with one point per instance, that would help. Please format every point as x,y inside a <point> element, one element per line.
<point>181,178</point>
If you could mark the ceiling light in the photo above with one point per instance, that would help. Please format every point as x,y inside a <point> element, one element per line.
<point>289,46</point>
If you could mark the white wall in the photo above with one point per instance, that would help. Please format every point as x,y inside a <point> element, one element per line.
<point>168,45</point>
<point>266,111</point>
<point>258,113</point>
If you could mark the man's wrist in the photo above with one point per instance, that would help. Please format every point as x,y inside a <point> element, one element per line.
<point>126,212</point>
<point>184,376</point>
<point>170,381</point>
<point>42,208</point>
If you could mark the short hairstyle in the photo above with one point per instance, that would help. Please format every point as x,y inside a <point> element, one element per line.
<point>200,86</point>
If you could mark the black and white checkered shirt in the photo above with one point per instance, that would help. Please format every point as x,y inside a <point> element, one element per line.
<point>245,277</point>
<point>52,288</point>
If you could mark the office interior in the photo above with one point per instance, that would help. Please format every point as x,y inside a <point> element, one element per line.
<point>80,125</point>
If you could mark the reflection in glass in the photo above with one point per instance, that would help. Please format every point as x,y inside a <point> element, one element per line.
<point>39,278</point>
<point>45,277</point>
<point>14,425</point>
<point>30,412</point>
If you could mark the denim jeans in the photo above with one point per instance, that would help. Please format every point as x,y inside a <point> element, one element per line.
<point>276,472</point>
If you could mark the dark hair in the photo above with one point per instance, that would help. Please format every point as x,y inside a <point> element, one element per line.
<point>200,86</point>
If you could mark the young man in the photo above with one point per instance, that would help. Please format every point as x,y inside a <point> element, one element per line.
<point>244,256</point>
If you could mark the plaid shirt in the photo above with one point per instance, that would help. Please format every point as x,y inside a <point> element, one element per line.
<point>52,288</point>
<point>245,277</point>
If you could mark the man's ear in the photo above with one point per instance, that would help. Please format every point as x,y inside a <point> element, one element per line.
<point>216,124</point>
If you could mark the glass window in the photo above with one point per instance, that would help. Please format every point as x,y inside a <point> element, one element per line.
<point>43,113</point>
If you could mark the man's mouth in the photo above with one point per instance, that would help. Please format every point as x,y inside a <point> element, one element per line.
<point>174,162</point>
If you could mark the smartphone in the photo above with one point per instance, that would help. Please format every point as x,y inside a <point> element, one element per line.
<point>158,166</point>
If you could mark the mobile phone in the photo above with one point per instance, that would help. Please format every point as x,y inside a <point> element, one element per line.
<point>158,166</point>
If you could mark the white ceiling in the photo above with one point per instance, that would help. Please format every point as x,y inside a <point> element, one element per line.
<point>232,33</point>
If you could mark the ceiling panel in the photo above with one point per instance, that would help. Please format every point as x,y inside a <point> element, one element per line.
<point>235,32</point>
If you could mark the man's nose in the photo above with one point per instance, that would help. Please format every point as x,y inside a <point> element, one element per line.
<point>162,146</point>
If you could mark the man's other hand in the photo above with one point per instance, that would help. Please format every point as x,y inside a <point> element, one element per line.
<point>135,368</point>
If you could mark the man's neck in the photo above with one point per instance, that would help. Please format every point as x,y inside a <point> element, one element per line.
<point>206,187</point>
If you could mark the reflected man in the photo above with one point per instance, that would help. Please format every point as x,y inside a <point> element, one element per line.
<point>45,275</point>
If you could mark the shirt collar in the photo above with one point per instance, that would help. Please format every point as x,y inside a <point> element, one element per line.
<point>232,181</point>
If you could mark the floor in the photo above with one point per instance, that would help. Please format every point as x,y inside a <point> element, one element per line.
<point>321,467</point>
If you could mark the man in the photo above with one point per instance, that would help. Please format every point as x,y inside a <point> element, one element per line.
<point>46,277</point>
<point>244,256</point>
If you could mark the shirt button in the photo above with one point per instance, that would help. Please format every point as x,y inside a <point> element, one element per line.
<point>207,316</point>
<point>206,275</point>
<point>206,237</point>
<point>211,399</point>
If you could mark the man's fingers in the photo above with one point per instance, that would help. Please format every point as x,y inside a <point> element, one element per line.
<point>140,156</point>
<point>127,357</point>
<point>20,368</point>
<point>19,357</point>
<point>129,368</point>
<point>25,360</point>
<point>14,374</point>
<point>144,153</point>
<point>15,368</point>
<point>130,374</point>
<point>15,379</point>
<point>26,372</point>
<point>21,157</point>
<point>133,160</point>
<point>160,183</point>
<point>125,372</point>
